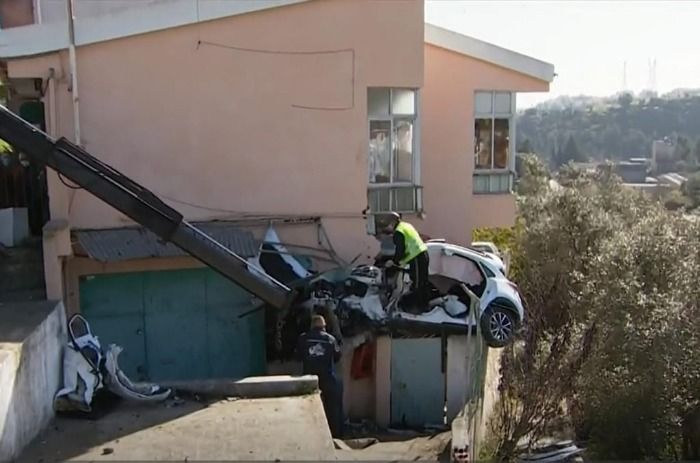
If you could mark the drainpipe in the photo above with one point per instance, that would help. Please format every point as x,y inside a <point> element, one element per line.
<point>73,72</point>
<point>53,125</point>
<point>37,11</point>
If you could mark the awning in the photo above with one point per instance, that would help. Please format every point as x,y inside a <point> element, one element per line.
<point>129,243</point>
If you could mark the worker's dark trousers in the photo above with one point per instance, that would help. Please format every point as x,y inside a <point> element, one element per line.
<point>332,397</point>
<point>418,271</point>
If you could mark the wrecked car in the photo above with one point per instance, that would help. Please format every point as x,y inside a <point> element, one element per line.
<point>368,296</point>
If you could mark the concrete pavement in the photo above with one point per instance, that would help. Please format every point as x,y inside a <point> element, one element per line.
<point>287,428</point>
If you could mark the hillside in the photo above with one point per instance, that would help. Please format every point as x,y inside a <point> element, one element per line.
<point>618,127</point>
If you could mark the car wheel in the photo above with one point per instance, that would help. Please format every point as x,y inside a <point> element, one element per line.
<point>498,325</point>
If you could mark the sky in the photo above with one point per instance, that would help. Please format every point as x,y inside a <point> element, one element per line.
<point>587,41</point>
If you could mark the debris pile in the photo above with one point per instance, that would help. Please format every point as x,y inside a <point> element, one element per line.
<point>87,369</point>
<point>563,451</point>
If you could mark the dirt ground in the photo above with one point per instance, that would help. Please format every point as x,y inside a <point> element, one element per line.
<point>292,428</point>
<point>192,428</point>
<point>433,447</point>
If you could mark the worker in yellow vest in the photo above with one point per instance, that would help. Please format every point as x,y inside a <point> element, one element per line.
<point>411,251</point>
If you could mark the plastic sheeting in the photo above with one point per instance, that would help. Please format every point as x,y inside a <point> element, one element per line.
<point>437,315</point>
<point>87,369</point>
<point>121,385</point>
<point>275,261</point>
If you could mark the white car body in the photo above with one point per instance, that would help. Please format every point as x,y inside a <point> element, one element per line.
<point>499,312</point>
<point>491,267</point>
<point>485,246</point>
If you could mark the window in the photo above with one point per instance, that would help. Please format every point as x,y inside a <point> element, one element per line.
<point>393,155</point>
<point>492,182</point>
<point>493,141</point>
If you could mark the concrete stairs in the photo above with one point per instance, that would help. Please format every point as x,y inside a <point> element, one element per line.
<point>22,273</point>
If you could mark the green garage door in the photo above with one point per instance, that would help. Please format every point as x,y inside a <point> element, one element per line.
<point>176,324</point>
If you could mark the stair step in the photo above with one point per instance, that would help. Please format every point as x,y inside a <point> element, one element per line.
<point>21,276</point>
<point>23,295</point>
<point>22,254</point>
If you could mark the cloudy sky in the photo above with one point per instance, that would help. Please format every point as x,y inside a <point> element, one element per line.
<point>588,41</point>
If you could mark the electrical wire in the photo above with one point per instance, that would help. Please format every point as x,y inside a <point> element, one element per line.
<point>72,187</point>
<point>302,53</point>
<point>278,52</point>
<point>248,214</point>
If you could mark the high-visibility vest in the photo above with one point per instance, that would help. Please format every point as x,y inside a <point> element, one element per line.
<point>413,242</point>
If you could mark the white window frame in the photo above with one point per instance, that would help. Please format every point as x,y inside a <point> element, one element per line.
<point>37,12</point>
<point>494,174</point>
<point>416,154</point>
<point>493,115</point>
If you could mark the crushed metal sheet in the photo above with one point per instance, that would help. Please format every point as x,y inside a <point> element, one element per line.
<point>120,244</point>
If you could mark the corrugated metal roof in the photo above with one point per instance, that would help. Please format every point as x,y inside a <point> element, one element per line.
<point>119,244</point>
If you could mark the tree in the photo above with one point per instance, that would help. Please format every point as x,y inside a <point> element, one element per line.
<point>604,129</point>
<point>691,190</point>
<point>525,147</point>
<point>625,100</point>
<point>675,200</point>
<point>534,176</point>
<point>609,281</point>
<point>682,149</point>
<point>554,157</point>
<point>571,152</point>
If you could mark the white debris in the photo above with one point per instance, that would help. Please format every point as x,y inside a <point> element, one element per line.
<point>436,315</point>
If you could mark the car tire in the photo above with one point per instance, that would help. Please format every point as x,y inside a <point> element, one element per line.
<point>498,325</point>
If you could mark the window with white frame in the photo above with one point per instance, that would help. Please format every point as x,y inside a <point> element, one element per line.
<point>394,160</point>
<point>494,134</point>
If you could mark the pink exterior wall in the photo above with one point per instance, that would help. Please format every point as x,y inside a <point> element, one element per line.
<point>447,99</point>
<point>218,127</point>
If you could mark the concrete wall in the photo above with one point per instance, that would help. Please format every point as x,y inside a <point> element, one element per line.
<point>358,394</point>
<point>382,384</point>
<point>370,398</point>
<point>492,379</point>
<point>451,79</point>
<point>32,336</point>
<point>457,376</point>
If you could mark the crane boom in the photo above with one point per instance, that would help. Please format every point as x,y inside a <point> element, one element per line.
<point>138,203</point>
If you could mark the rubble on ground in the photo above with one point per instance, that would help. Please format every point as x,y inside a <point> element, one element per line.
<point>558,451</point>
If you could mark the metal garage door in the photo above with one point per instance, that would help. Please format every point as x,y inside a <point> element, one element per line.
<point>176,324</point>
<point>417,382</point>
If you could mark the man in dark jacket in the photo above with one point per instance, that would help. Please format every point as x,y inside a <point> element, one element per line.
<point>319,351</point>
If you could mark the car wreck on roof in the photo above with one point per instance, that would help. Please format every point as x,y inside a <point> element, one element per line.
<point>468,287</point>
